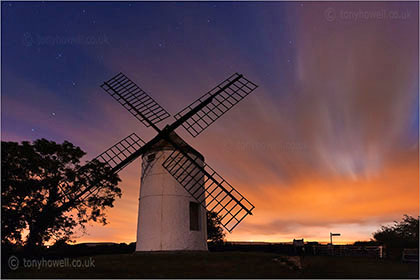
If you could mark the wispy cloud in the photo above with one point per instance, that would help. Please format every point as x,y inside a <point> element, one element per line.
<point>326,142</point>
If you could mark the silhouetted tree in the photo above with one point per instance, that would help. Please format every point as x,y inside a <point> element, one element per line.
<point>40,184</point>
<point>403,234</point>
<point>215,232</point>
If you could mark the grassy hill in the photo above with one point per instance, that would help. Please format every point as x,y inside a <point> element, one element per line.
<point>223,265</point>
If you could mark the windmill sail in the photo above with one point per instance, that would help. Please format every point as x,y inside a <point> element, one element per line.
<point>200,180</point>
<point>114,157</point>
<point>217,195</point>
<point>217,102</point>
<point>135,100</point>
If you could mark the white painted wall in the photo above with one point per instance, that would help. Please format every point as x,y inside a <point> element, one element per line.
<point>164,209</point>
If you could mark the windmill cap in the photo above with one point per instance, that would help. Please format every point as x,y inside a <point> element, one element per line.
<point>165,145</point>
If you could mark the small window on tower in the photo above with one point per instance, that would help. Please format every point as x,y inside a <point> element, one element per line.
<point>194,216</point>
<point>151,157</point>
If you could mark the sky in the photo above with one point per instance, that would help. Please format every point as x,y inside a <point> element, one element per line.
<point>327,143</point>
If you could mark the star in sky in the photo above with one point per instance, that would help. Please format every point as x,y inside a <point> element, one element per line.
<point>42,67</point>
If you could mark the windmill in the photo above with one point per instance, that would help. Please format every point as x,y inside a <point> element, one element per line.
<point>177,186</point>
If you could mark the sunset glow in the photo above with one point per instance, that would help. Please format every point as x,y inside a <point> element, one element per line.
<point>327,143</point>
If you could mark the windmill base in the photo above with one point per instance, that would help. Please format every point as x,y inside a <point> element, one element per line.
<point>169,219</point>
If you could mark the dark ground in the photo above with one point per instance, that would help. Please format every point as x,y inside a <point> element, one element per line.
<point>223,265</point>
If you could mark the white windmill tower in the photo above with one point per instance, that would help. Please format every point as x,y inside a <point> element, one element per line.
<point>170,218</point>
<point>177,186</point>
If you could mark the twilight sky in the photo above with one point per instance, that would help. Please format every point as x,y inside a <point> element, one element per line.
<point>328,142</point>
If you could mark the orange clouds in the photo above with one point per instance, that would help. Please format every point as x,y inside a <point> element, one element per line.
<point>328,142</point>
<point>310,208</point>
<point>323,204</point>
